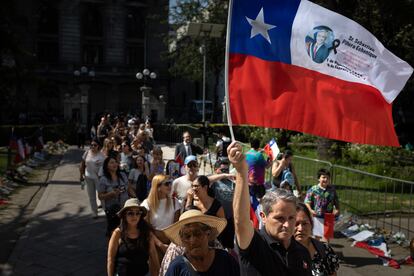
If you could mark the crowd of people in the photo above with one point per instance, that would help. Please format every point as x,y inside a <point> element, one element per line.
<point>163,218</point>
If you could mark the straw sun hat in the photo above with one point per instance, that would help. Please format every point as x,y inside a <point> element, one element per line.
<point>130,203</point>
<point>193,216</point>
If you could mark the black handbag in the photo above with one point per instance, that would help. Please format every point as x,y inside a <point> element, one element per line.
<point>113,210</point>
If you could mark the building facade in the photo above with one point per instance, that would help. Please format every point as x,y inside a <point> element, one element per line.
<point>85,55</point>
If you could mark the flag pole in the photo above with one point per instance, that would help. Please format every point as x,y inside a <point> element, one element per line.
<point>226,71</point>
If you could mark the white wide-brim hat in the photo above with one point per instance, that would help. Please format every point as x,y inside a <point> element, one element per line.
<point>131,203</point>
<point>192,216</point>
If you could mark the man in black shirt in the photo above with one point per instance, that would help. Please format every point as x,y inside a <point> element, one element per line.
<point>273,250</point>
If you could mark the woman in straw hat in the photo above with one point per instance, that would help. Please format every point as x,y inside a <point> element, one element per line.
<point>193,231</point>
<point>131,249</point>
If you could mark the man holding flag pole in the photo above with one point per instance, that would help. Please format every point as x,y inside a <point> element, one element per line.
<point>275,77</point>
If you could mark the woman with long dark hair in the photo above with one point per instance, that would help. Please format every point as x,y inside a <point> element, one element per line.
<point>199,197</point>
<point>138,178</point>
<point>131,249</point>
<point>113,191</point>
<point>324,260</point>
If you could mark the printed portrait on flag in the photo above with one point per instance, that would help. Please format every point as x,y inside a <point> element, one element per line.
<point>319,43</point>
<point>279,77</point>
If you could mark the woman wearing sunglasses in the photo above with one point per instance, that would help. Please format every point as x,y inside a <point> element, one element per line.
<point>131,249</point>
<point>162,208</point>
<point>91,164</point>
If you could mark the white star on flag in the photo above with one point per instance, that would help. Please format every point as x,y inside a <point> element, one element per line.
<point>259,26</point>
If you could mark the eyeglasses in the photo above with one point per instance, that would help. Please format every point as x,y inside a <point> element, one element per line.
<point>94,145</point>
<point>197,234</point>
<point>167,183</point>
<point>195,186</point>
<point>132,213</point>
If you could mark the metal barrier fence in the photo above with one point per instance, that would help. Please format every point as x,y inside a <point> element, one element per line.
<point>383,202</point>
<point>172,133</point>
<point>6,159</point>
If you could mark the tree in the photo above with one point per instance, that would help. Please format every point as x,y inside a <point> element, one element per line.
<point>186,58</point>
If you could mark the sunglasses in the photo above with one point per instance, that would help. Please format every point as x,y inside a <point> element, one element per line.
<point>224,170</point>
<point>94,145</point>
<point>132,213</point>
<point>167,183</point>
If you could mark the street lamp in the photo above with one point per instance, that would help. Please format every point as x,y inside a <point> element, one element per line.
<point>83,77</point>
<point>145,76</point>
<point>204,30</point>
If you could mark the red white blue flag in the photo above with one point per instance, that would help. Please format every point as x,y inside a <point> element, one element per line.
<point>295,65</point>
<point>271,149</point>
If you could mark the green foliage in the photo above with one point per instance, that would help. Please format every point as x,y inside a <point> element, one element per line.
<point>186,58</point>
<point>247,133</point>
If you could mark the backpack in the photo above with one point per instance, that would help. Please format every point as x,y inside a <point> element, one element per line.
<point>287,176</point>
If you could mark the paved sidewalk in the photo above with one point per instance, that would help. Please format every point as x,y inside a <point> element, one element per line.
<point>62,238</point>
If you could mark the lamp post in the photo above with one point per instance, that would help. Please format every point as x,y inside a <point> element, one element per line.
<point>203,52</point>
<point>83,77</point>
<point>205,31</point>
<point>145,76</point>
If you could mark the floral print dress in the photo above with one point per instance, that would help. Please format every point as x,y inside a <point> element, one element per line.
<point>324,263</point>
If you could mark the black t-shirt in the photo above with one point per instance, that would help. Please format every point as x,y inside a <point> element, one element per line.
<point>131,259</point>
<point>266,256</point>
<point>223,264</point>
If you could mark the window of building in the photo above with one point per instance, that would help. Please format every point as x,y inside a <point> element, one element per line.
<point>92,54</point>
<point>135,23</point>
<point>48,51</point>
<point>135,56</point>
<point>92,21</point>
<point>48,22</point>
<point>92,34</point>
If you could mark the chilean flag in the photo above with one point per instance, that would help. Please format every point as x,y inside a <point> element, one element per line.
<point>295,65</point>
<point>271,149</point>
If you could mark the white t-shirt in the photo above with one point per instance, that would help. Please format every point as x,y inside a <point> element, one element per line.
<point>180,187</point>
<point>162,217</point>
<point>93,163</point>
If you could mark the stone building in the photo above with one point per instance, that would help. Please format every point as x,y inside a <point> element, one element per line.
<point>85,55</point>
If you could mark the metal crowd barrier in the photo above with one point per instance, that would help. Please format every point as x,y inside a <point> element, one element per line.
<point>383,202</point>
<point>6,159</point>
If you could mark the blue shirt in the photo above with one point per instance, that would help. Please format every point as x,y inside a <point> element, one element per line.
<point>223,264</point>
